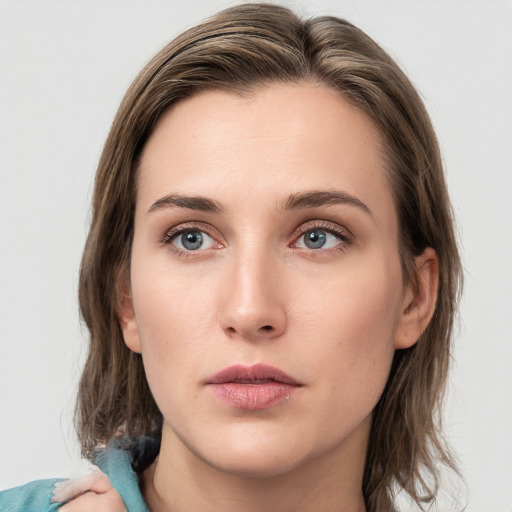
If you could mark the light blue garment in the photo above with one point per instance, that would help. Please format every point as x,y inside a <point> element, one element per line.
<point>113,461</point>
<point>33,497</point>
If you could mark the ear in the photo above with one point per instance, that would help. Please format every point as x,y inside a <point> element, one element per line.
<point>126,316</point>
<point>419,301</point>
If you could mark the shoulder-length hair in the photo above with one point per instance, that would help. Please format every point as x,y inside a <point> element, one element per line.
<point>239,49</point>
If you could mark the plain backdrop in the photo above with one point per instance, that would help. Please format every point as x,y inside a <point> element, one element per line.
<point>64,66</point>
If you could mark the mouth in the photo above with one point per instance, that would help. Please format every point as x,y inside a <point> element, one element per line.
<point>252,387</point>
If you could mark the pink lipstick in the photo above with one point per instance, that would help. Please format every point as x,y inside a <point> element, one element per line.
<point>252,387</point>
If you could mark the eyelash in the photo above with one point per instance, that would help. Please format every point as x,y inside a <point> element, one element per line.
<point>344,236</point>
<point>176,231</point>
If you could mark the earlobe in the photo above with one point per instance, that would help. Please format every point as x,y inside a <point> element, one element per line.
<point>419,300</point>
<point>127,318</point>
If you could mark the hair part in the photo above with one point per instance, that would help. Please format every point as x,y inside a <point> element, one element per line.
<point>239,50</point>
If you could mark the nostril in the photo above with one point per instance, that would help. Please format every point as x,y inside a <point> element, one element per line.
<point>267,328</point>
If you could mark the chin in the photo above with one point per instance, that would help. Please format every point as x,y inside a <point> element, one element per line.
<point>259,456</point>
<point>258,466</point>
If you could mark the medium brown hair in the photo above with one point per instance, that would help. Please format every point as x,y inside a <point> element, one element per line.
<point>237,50</point>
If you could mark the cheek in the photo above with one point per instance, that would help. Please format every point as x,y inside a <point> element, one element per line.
<point>164,295</point>
<point>353,321</point>
<point>172,318</point>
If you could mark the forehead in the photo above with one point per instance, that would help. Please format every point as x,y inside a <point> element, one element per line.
<point>282,138</point>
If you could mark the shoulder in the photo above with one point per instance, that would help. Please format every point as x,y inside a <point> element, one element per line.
<point>120,461</point>
<point>32,497</point>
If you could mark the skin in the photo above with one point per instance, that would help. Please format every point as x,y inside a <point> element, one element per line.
<point>330,317</point>
<point>89,492</point>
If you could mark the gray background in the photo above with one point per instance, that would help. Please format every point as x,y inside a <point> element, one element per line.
<point>64,66</point>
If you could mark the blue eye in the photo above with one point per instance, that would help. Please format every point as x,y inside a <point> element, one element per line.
<point>315,239</point>
<point>192,240</point>
<point>318,239</point>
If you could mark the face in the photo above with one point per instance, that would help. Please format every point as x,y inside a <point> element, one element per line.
<point>266,289</point>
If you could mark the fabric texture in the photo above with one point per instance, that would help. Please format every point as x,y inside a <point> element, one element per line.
<point>114,461</point>
<point>32,497</point>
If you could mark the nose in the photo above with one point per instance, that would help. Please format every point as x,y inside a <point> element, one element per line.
<point>253,307</point>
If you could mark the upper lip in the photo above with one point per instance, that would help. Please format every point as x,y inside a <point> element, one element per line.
<point>254,374</point>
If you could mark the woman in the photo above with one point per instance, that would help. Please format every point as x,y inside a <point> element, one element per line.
<point>269,281</point>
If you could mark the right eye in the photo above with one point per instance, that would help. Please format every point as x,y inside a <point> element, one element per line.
<point>191,240</point>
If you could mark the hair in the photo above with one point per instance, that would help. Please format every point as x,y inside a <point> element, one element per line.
<point>238,50</point>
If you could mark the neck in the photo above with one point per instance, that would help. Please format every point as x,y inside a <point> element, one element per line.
<point>179,481</point>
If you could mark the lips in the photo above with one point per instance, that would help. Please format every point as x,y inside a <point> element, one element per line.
<point>252,387</point>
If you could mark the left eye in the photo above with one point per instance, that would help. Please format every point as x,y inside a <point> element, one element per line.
<point>192,240</point>
<point>318,239</point>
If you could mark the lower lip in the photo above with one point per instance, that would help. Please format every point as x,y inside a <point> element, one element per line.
<point>253,397</point>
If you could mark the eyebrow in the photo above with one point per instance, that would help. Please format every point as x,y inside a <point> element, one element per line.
<point>312,199</point>
<point>199,203</point>
<point>315,199</point>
